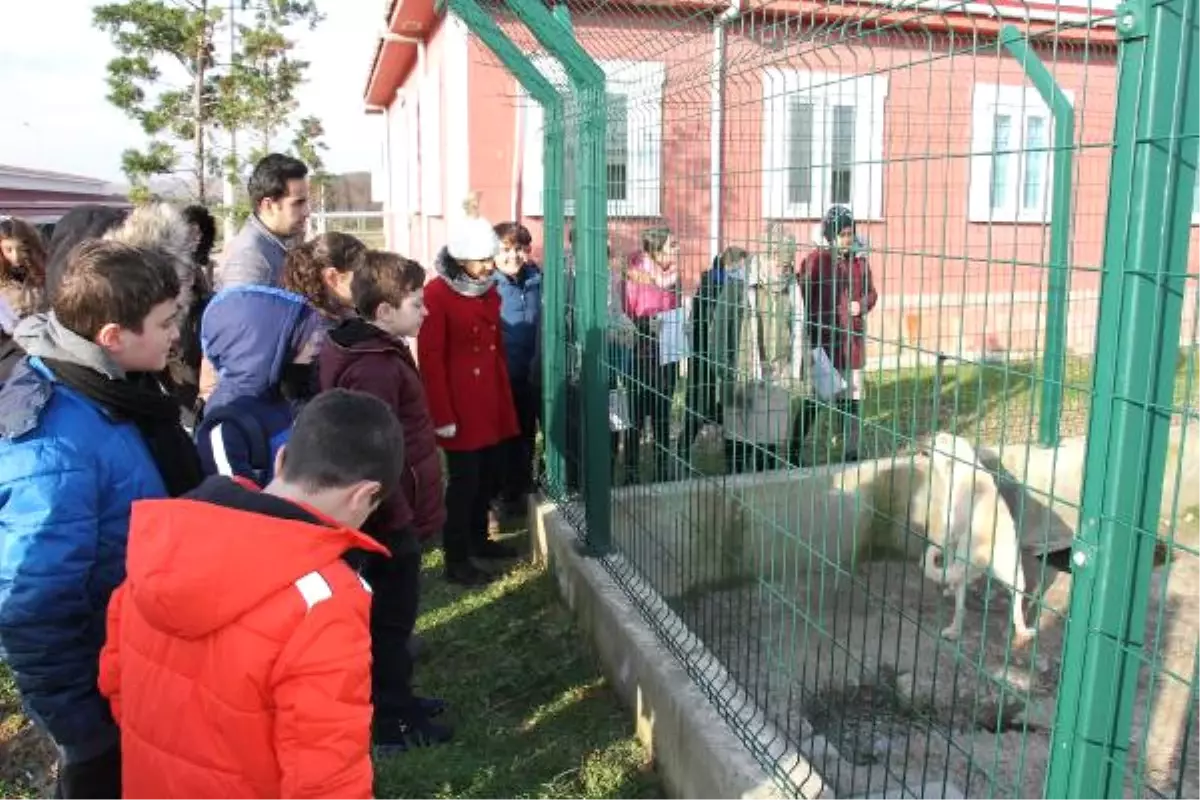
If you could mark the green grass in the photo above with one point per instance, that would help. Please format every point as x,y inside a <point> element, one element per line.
<point>995,403</point>
<point>534,715</point>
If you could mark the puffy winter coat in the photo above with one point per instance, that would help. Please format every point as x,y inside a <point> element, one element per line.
<point>462,366</point>
<point>251,335</point>
<point>358,356</point>
<point>238,660</point>
<point>520,319</point>
<point>69,474</point>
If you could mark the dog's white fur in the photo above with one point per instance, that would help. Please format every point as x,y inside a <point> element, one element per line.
<point>979,535</point>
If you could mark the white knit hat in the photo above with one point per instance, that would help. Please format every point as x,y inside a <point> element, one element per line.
<point>473,240</point>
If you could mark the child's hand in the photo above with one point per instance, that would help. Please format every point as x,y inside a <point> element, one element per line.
<point>856,308</point>
<point>446,431</point>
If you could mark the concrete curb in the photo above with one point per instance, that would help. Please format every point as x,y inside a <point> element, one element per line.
<point>694,750</point>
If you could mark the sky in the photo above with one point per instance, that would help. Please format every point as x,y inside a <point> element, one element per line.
<point>55,117</point>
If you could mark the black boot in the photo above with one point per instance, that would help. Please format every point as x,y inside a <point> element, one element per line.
<point>802,423</point>
<point>852,428</point>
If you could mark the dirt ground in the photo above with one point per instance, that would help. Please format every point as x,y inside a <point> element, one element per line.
<point>896,707</point>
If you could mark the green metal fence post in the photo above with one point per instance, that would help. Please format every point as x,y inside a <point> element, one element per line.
<point>1141,302</point>
<point>591,277</point>
<point>1058,287</point>
<point>542,91</point>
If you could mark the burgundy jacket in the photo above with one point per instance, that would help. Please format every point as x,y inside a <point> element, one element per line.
<point>462,364</point>
<point>358,356</point>
<point>828,284</point>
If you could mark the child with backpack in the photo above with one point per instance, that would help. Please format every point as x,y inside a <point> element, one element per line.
<point>261,341</point>
<point>237,660</point>
<point>368,353</point>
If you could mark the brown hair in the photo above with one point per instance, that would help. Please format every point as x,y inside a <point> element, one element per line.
<point>384,278</point>
<point>655,239</point>
<point>513,233</point>
<point>31,246</point>
<point>109,282</point>
<point>304,266</point>
<point>342,437</point>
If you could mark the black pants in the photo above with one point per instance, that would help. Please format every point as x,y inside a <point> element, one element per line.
<point>650,394</point>
<point>471,485</point>
<point>99,777</point>
<point>396,589</point>
<point>517,476</point>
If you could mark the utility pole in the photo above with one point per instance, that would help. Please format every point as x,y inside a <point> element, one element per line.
<point>229,195</point>
<point>198,101</point>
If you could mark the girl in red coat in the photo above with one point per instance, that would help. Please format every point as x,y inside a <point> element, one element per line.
<point>838,294</point>
<point>461,354</point>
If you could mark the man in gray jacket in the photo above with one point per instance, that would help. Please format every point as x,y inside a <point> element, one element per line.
<point>278,190</point>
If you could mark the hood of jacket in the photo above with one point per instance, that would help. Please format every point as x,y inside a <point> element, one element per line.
<point>250,333</point>
<point>198,563</point>
<point>43,336</point>
<point>80,223</point>
<point>161,227</point>
<point>356,336</point>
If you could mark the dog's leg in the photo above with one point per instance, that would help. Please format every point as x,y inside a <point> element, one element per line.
<point>1006,566</point>
<point>954,629</point>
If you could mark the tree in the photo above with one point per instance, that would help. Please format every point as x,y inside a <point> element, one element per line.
<point>255,89</point>
<point>147,32</point>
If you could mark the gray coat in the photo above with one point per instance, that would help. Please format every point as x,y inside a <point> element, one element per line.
<point>254,256</point>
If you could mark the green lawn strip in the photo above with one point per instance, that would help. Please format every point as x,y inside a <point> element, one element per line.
<point>534,716</point>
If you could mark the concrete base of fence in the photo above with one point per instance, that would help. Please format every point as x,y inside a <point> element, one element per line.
<point>695,751</point>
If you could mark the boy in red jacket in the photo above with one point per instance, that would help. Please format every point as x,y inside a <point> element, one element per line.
<point>368,354</point>
<point>237,661</point>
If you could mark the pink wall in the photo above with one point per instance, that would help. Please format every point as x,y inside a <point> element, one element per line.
<point>924,245</point>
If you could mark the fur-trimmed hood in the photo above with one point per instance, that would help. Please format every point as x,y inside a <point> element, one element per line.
<point>161,227</point>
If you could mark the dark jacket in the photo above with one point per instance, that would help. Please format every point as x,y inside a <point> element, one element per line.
<point>828,283</point>
<point>358,356</point>
<point>520,318</point>
<point>70,473</point>
<point>251,335</point>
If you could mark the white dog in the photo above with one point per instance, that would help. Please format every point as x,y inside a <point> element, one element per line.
<point>979,534</point>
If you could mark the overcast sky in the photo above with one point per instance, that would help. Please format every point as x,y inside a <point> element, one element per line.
<point>54,115</point>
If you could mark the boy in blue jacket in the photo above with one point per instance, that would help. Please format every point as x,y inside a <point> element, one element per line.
<point>519,282</point>
<point>262,342</point>
<point>85,430</point>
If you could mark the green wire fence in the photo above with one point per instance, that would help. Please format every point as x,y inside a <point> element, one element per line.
<point>742,413</point>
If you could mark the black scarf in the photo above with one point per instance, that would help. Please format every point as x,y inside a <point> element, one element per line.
<point>142,401</point>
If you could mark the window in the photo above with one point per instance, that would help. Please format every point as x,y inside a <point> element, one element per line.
<point>1011,155</point>
<point>633,133</point>
<point>822,143</point>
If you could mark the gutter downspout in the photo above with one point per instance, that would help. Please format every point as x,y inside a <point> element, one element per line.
<point>716,136</point>
<point>423,69</point>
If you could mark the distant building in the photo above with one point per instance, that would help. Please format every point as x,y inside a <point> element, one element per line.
<point>42,197</point>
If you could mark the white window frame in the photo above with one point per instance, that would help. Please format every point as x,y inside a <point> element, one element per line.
<point>642,84</point>
<point>430,115</point>
<point>868,95</point>
<point>1020,103</point>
